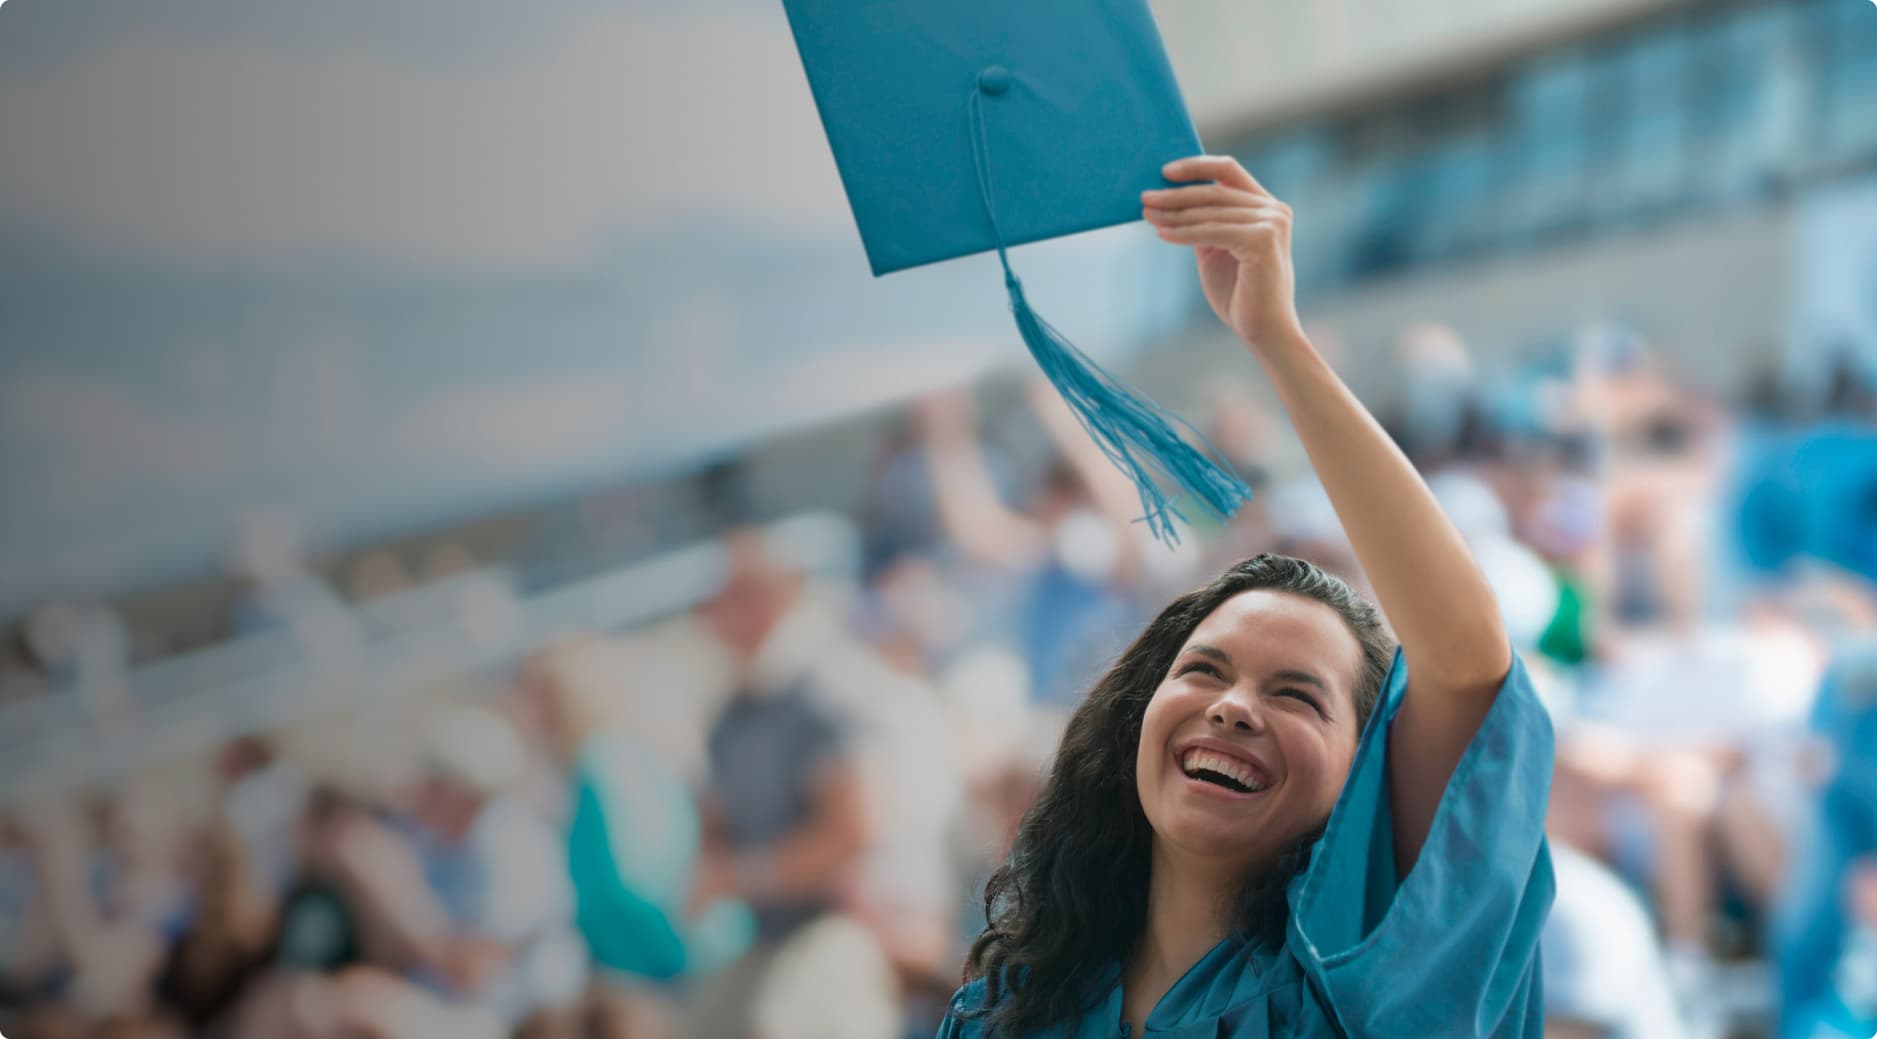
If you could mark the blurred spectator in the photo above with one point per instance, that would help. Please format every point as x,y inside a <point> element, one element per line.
<point>22,676</point>
<point>84,651</point>
<point>1827,939</point>
<point>463,927</point>
<point>1071,551</point>
<point>1603,970</point>
<point>262,796</point>
<point>112,890</point>
<point>635,837</point>
<point>828,982</point>
<point>785,809</point>
<point>1559,512</point>
<point>1660,450</point>
<point>1527,591</point>
<point>319,922</point>
<point>1663,773</point>
<point>1004,745</point>
<point>907,889</point>
<point>279,592</point>
<point>499,873</point>
<point>897,514</point>
<point>1442,416</point>
<point>34,966</point>
<point>229,939</point>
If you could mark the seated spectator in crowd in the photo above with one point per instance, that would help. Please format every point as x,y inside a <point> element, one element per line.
<point>35,969</point>
<point>499,873</point>
<point>785,811</point>
<point>907,890</point>
<point>635,835</point>
<point>228,943</point>
<point>109,881</point>
<point>262,796</point>
<point>319,942</point>
<point>1603,970</point>
<point>460,923</point>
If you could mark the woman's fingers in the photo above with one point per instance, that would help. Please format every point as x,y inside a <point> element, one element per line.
<point>1222,236</point>
<point>1202,195</point>
<point>1222,168</point>
<point>1209,215</point>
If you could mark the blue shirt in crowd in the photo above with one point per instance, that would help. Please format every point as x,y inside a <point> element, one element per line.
<point>1814,936</point>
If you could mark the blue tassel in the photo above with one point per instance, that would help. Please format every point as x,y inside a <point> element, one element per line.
<point>1134,432</point>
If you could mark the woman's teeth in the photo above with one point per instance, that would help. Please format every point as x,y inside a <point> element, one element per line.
<point>1213,767</point>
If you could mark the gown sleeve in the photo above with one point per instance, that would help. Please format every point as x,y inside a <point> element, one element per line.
<point>1452,949</point>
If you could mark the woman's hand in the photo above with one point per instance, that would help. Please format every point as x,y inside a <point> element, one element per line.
<point>1240,236</point>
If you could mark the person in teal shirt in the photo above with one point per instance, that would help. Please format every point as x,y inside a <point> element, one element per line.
<point>1257,823</point>
<point>634,835</point>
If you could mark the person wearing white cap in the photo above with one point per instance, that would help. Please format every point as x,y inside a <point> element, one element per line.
<point>498,871</point>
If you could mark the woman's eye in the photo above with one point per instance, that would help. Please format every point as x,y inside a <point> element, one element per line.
<point>1299,694</point>
<point>1202,668</point>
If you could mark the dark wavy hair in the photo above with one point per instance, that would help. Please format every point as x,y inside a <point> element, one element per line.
<point>1072,899</point>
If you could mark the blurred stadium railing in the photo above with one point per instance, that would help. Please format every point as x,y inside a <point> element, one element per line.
<point>271,679</point>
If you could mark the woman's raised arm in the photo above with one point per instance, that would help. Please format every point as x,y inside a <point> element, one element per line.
<point>1428,585</point>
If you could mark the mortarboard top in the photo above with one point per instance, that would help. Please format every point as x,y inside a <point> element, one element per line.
<point>961,126</point>
<point>1079,105</point>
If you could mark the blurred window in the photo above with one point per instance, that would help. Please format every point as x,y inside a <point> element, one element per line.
<point>1461,175</point>
<point>1714,105</point>
<point>1742,109</point>
<point>1639,128</point>
<point>1848,101</point>
<point>1548,129</point>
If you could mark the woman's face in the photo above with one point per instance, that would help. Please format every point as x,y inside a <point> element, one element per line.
<point>1247,740</point>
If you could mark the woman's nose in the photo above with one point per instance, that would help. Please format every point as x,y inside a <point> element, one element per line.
<point>1235,713</point>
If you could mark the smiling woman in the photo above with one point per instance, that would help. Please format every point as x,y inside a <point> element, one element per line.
<point>1207,784</point>
<point>1254,825</point>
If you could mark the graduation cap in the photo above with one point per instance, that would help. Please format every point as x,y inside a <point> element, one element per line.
<point>961,126</point>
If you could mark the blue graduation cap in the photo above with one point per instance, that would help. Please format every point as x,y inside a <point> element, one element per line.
<point>962,126</point>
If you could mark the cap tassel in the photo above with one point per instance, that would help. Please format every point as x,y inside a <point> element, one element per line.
<point>1136,434</point>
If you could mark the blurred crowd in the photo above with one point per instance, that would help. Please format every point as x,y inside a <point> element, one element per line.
<point>773,815</point>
